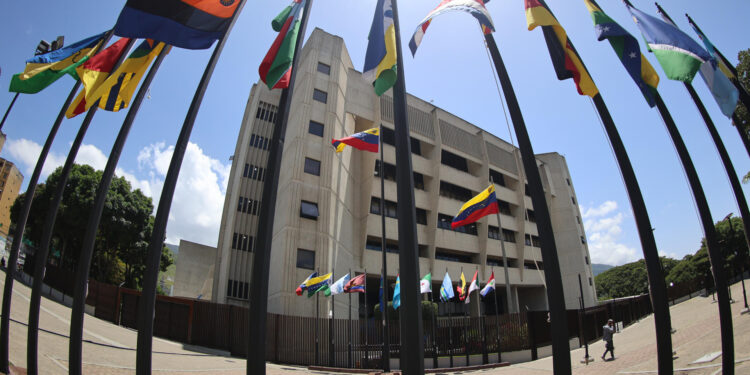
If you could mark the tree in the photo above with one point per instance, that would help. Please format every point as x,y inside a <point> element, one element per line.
<point>122,237</point>
<point>628,280</point>
<point>742,114</point>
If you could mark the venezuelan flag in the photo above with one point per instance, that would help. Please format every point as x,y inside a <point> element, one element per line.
<point>564,56</point>
<point>43,70</point>
<point>380,59</point>
<point>191,24</point>
<point>485,203</point>
<point>368,140</point>
<point>316,284</point>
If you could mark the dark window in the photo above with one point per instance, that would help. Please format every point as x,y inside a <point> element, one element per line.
<point>591,283</point>
<point>452,160</point>
<point>247,167</point>
<point>493,232</point>
<point>312,166</point>
<point>535,241</point>
<point>375,206</point>
<point>444,222</point>
<point>587,259</point>
<point>309,210</point>
<point>242,242</point>
<point>416,146</point>
<point>497,177</point>
<point>388,135</point>
<point>320,96</point>
<point>456,192</point>
<point>237,289</point>
<point>234,241</point>
<point>583,240</point>
<point>258,142</point>
<point>509,235</point>
<point>526,190</point>
<point>390,207</point>
<point>376,245</point>
<point>494,262</point>
<point>531,265</point>
<point>241,203</point>
<point>530,216</point>
<point>573,199</point>
<point>578,218</point>
<point>421,216</point>
<point>527,240</point>
<point>305,259</point>
<point>315,128</point>
<point>389,170</point>
<point>568,181</point>
<point>453,256</point>
<point>418,181</point>
<point>324,68</point>
<point>504,207</point>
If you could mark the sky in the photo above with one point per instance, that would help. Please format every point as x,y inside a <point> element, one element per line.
<point>451,69</point>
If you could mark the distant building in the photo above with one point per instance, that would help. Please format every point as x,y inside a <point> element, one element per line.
<point>194,270</point>
<point>10,182</point>
<point>327,216</point>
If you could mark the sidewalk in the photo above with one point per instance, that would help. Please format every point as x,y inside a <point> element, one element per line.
<point>110,349</point>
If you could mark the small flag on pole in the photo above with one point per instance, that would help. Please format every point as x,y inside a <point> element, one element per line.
<point>397,294</point>
<point>368,140</point>
<point>380,58</point>
<point>490,286</point>
<point>356,284</point>
<point>461,289</point>
<point>472,287</point>
<point>483,204</point>
<point>474,7</point>
<point>302,287</point>
<point>317,284</point>
<point>446,288</point>
<point>276,68</point>
<point>425,285</point>
<point>337,287</point>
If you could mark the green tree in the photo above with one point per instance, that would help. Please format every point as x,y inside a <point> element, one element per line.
<point>741,113</point>
<point>627,280</point>
<point>123,234</point>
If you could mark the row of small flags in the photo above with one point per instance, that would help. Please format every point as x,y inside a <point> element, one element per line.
<point>314,284</point>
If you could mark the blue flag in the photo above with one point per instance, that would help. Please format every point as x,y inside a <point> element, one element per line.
<point>397,294</point>
<point>446,289</point>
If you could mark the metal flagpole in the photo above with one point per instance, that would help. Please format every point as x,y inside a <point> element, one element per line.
<point>412,344</point>
<point>256,345</point>
<point>714,255</point>
<point>505,259</point>
<point>497,319</point>
<point>23,217</point>
<point>386,355</point>
<point>367,327</point>
<point>555,294</point>
<point>434,330</point>
<point>349,361</point>
<point>331,318</point>
<point>317,324</point>
<point>586,358</point>
<point>40,257</point>
<point>485,358</point>
<point>7,111</point>
<point>450,332</point>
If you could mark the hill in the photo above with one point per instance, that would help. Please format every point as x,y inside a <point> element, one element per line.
<point>599,268</point>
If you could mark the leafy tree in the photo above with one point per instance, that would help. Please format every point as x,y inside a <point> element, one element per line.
<point>123,234</point>
<point>741,113</point>
<point>627,280</point>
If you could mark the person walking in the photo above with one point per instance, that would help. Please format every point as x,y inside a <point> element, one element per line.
<point>607,333</point>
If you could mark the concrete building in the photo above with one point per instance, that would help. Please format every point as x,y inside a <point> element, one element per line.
<point>10,182</point>
<point>194,270</point>
<point>328,214</point>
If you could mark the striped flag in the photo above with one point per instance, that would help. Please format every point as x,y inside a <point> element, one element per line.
<point>356,284</point>
<point>337,287</point>
<point>276,67</point>
<point>490,286</point>
<point>474,7</point>
<point>483,204</point>
<point>302,287</point>
<point>380,58</point>
<point>368,140</point>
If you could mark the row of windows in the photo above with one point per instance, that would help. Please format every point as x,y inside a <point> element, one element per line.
<point>376,245</point>
<point>494,233</point>
<point>453,257</point>
<point>253,172</point>
<point>258,141</point>
<point>248,206</point>
<point>444,222</point>
<point>242,242</point>
<point>388,136</point>
<point>238,289</point>
<point>532,241</point>
<point>389,173</point>
<point>391,210</point>
<point>266,112</point>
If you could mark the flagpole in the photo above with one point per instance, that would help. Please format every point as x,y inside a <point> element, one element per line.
<point>349,360</point>
<point>386,356</point>
<point>712,245</point>
<point>7,111</point>
<point>367,327</point>
<point>256,351</point>
<point>331,347</point>
<point>497,317</point>
<point>412,358</point>
<point>317,334</point>
<point>434,330</point>
<point>657,285</point>
<point>502,247</point>
<point>555,295</point>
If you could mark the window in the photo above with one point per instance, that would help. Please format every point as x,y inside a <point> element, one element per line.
<point>253,172</point>
<point>315,128</point>
<point>444,222</point>
<point>242,242</point>
<point>266,112</point>
<point>258,141</point>
<point>493,232</point>
<point>418,181</point>
<point>452,160</point>
<point>389,170</point>
<point>578,218</point>
<point>530,216</point>
<point>568,181</point>
<point>535,241</point>
<point>248,206</point>
<point>587,259</point>
<point>324,68</point>
<point>573,199</point>
<point>305,259</point>
<point>497,177</point>
<point>528,240</point>
<point>591,283</point>
<point>456,192</point>
<point>388,135</point>
<point>375,244</point>
<point>309,210</point>
<point>452,256</point>
<point>509,235</point>
<point>312,166</point>
<point>416,146</point>
<point>583,240</point>
<point>421,216</point>
<point>390,207</point>
<point>238,289</point>
<point>526,190</point>
<point>320,96</point>
<point>504,207</point>
<point>531,265</point>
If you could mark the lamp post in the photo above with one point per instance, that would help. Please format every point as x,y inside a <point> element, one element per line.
<point>742,261</point>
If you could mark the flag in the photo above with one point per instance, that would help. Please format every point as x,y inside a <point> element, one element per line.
<point>474,7</point>
<point>483,204</point>
<point>337,287</point>
<point>380,58</point>
<point>446,288</point>
<point>302,287</point>
<point>115,93</point>
<point>276,67</point>
<point>356,284</point>
<point>462,289</point>
<point>425,285</point>
<point>564,56</point>
<point>397,294</point>
<point>678,54</point>
<point>627,49</point>
<point>712,51</point>
<point>93,72</point>
<point>472,286</point>
<point>191,24</point>
<point>317,284</point>
<point>368,140</point>
<point>489,286</point>
<point>380,295</point>
<point>42,70</point>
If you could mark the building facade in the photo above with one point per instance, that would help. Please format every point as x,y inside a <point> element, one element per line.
<point>328,208</point>
<point>10,183</point>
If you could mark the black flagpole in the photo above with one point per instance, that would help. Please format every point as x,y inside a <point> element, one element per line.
<point>349,358</point>
<point>712,244</point>
<point>412,345</point>
<point>386,356</point>
<point>18,234</point>
<point>502,248</point>
<point>156,243</point>
<point>555,295</point>
<point>657,285</point>
<point>21,224</point>
<point>256,345</point>
<point>40,257</point>
<point>8,110</point>
<point>332,317</point>
<point>366,362</point>
<point>87,250</point>
<point>497,320</point>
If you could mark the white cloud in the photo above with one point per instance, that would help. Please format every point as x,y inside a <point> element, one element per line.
<point>603,231</point>
<point>199,196</point>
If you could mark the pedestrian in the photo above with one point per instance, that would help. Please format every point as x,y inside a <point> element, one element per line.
<point>607,333</point>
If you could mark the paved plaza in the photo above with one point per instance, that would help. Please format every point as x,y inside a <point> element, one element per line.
<point>110,349</point>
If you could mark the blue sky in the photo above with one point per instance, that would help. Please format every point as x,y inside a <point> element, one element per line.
<point>451,69</point>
